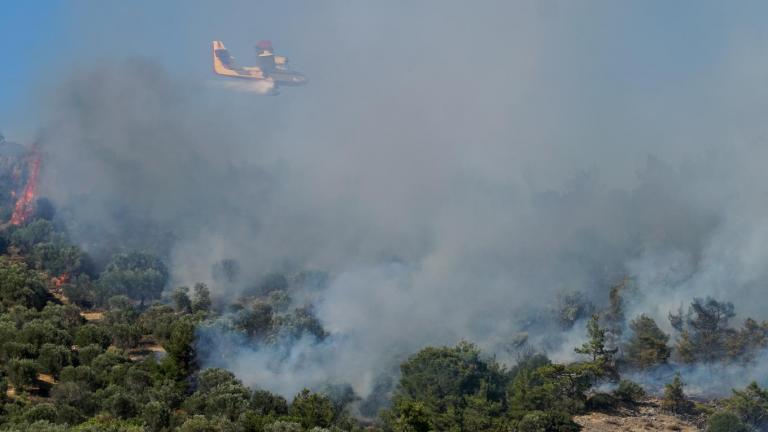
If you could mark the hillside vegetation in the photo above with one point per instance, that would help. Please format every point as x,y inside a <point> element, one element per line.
<point>87,347</point>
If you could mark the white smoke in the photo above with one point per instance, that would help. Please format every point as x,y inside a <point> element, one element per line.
<point>533,179</point>
<point>260,87</point>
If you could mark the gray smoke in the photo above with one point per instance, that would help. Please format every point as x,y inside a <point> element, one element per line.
<point>452,166</point>
<point>704,380</point>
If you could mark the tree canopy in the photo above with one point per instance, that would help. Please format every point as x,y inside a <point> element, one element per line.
<point>138,275</point>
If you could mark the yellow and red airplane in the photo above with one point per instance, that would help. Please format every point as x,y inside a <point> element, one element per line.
<point>270,68</point>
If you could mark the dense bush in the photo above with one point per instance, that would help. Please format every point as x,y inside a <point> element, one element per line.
<point>20,286</point>
<point>22,373</point>
<point>138,275</point>
<point>674,400</point>
<point>750,406</point>
<point>648,345</point>
<point>628,392</point>
<point>538,421</point>
<point>726,422</point>
<point>602,402</point>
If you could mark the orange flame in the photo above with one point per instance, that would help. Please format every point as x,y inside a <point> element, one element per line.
<point>25,204</point>
<point>60,280</point>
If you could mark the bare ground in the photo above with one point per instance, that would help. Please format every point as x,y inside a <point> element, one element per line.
<point>147,346</point>
<point>647,416</point>
<point>93,315</point>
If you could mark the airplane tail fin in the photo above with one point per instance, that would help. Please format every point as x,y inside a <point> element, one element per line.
<point>223,62</point>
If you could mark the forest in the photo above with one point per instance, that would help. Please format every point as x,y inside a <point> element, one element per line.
<point>109,346</point>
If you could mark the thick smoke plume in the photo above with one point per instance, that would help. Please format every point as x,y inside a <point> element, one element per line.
<point>453,169</point>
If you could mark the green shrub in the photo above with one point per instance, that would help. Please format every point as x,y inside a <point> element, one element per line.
<point>312,409</point>
<point>750,405</point>
<point>22,372</point>
<point>41,412</point>
<point>38,426</point>
<point>198,423</point>
<point>674,400</point>
<point>648,345</point>
<point>121,404</point>
<point>155,416</point>
<point>74,395</point>
<point>18,350</point>
<point>69,414</point>
<point>602,402</point>
<point>628,391</point>
<point>283,426</point>
<point>93,334</point>
<point>86,354</point>
<point>542,421</point>
<point>726,422</point>
<point>53,358</point>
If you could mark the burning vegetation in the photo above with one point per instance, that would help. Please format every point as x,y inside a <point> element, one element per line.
<point>111,345</point>
<point>19,179</point>
<point>86,345</point>
<point>25,202</point>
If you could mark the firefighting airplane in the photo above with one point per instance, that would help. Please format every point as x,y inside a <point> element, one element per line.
<point>270,70</point>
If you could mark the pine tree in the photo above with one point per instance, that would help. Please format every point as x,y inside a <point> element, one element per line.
<point>596,348</point>
<point>674,399</point>
<point>648,345</point>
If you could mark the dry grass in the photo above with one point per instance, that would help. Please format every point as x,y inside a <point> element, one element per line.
<point>46,378</point>
<point>146,347</point>
<point>92,315</point>
<point>60,297</point>
<point>646,417</point>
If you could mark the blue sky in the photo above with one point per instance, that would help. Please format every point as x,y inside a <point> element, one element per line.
<point>33,35</point>
<point>47,40</point>
<point>601,50</point>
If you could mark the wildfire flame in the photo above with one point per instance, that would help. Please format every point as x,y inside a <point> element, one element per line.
<point>60,280</point>
<point>25,204</point>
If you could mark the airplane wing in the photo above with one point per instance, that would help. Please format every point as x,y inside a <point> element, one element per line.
<point>224,64</point>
